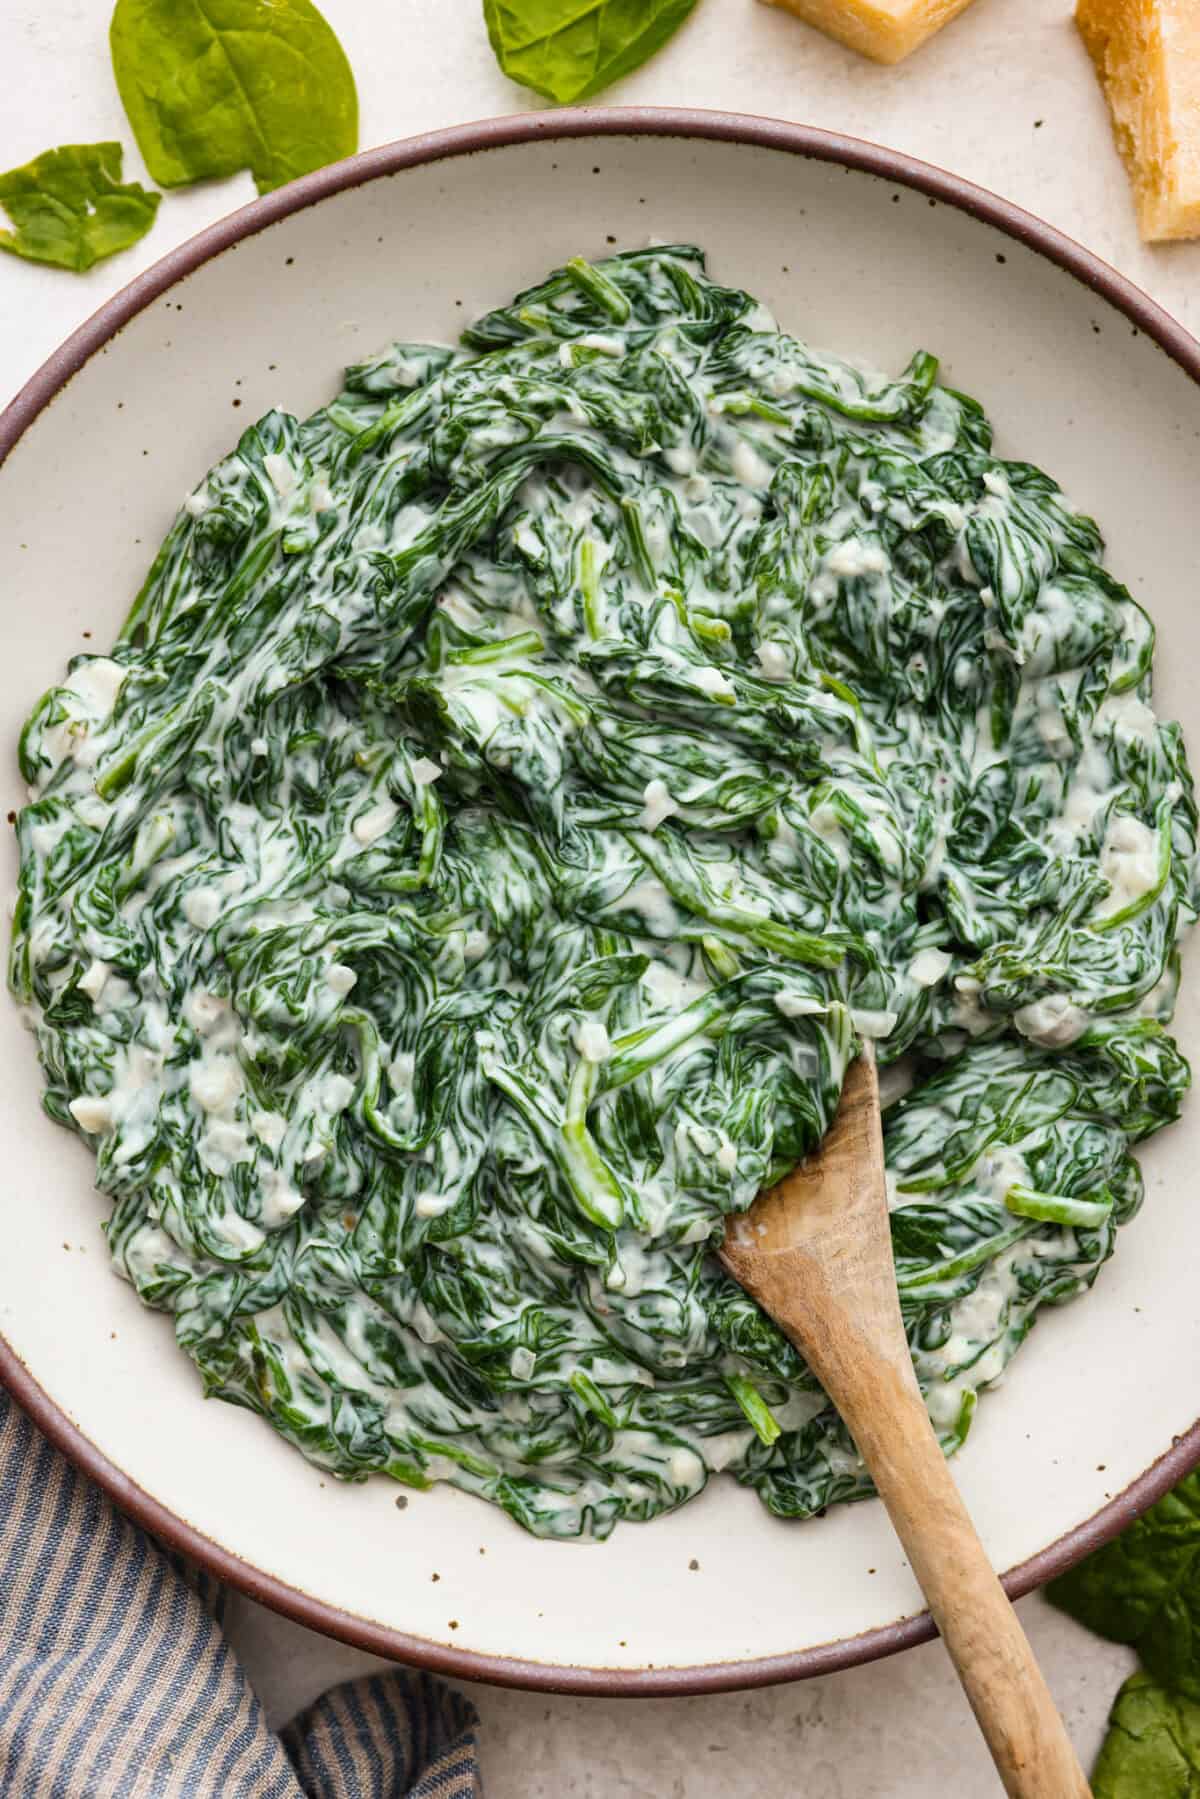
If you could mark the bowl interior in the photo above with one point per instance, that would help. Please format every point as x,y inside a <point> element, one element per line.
<point>850,261</point>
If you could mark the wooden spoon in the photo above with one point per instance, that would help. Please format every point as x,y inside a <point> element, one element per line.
<point>816,1253</point>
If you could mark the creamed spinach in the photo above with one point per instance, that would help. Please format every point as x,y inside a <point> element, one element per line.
<point>515,792</point>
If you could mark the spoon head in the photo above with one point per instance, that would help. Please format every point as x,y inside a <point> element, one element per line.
<point>831,1191</point>
<point>822,1235</point>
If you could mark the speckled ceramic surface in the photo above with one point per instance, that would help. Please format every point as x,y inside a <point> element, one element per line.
<point>853,258</point>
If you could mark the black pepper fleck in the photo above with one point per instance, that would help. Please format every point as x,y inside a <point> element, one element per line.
<point>435,1577</point>
<point>12,818</point>
<point>402,1503</point>
<point>236,403</point>
<point>454,1623</point>
<point>694,1566</point>
<point>1000,258</point>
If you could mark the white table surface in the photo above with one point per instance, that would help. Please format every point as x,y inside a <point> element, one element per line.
<point>1004,96</point>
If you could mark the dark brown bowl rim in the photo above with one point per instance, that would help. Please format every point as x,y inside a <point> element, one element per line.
<point>800,140</point>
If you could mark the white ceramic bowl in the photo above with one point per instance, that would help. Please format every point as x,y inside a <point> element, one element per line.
<point>856,249</point>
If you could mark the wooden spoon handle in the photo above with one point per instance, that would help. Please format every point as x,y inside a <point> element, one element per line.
<point>1010,1699</point>
<point>816,1253</point>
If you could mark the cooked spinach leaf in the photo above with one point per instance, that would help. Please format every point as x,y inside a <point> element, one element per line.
<point>212,88</point>
<point>70,207</point>
<point>570,49</point>
<point>1152,1750</point>
<point>515,790</point>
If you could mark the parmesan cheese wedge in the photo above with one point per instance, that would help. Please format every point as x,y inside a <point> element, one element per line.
<point>887,30</point>
<point>1147,56</point>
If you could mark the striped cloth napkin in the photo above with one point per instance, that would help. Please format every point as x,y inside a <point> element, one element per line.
<point>116,1681</point>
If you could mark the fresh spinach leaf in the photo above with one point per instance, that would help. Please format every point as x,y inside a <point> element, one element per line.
<point>570,49</point>
<point>1144,1588</point>
<point>1152,1750</point>
<point>70,207</point>
<point>214,86</point>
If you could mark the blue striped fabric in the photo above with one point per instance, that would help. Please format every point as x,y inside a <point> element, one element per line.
<point>117,1682</point>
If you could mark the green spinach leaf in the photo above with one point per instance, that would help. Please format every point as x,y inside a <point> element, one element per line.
<point>1144,1588</point>
<point>570,49</point>
<point>1152,1750</point>
<point>70,207</point>
<point>214,86</point>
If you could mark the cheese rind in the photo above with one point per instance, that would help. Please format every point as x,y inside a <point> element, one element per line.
<point>887,30</point>
<point>1147,58</point>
